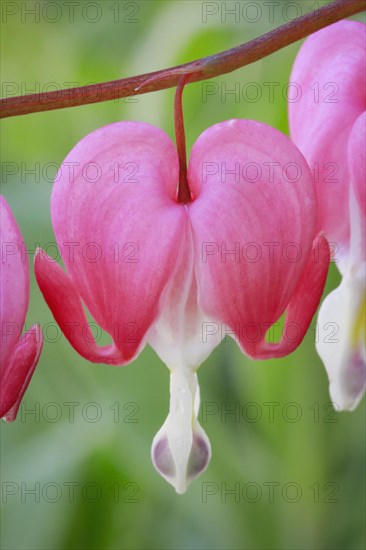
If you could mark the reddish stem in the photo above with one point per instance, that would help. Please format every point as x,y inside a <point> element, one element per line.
<point>214,65</point>
<point>184,194</point>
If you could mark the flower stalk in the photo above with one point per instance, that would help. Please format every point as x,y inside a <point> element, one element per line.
<point>184,194</point>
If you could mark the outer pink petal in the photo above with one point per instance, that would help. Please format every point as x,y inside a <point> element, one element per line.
<point>303,304</point>
<point>330,70</point>
<point>269,223</point>
<point>18,372</point>
<point>14,281</point>
<point>120,234</point>
<point>63,300</point>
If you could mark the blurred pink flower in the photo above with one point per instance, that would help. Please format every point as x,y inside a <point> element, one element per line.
<point>328,125</point>
<point>19,354</point>
<point>153,270</point>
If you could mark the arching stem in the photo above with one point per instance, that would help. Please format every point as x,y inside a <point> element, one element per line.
<point>214,65</point>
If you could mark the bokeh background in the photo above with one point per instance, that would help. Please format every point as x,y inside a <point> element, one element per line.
<point>84,480</point>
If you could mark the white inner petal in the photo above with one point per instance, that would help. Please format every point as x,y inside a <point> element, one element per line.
<point>178,335</point>
<point>181,450</point>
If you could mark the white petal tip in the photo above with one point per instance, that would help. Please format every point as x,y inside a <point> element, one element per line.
<point>181,450</point>
<point>180,473</point>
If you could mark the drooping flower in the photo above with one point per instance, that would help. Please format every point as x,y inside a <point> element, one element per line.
<point>328,125</point>
<point>19,354</point>
<point>177,275</point>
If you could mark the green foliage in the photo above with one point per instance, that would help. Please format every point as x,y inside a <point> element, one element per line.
<point>305,448</point>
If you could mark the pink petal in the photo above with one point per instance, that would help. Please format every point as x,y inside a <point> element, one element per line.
<point>124,227</point>
<point>303,304</point>
<point>330,71</point>
<point>14,282</point>
<point>18,372</point>
<point>267,220</point>
<point>62,298</point>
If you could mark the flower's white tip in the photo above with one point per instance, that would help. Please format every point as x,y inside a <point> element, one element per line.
<point>181,450</point>
<point>341,343</point>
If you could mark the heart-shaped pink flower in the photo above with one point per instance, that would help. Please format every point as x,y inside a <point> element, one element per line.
<point>180,276</point>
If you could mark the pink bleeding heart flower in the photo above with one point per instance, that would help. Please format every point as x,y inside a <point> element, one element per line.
<point>329,128</point>
<point>19,354</point>
<point>238,253</point>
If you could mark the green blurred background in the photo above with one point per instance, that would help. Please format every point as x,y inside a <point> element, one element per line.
<point>298,477</point>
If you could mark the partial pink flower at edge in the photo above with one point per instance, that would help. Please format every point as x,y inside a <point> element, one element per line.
<point>330,71</point>
<point>330,131</point>
<point>19,353</point>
